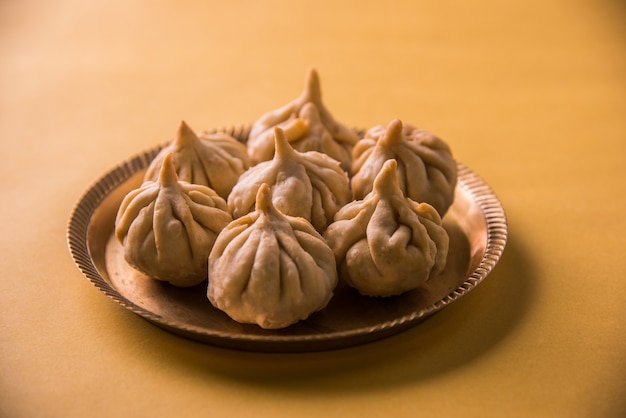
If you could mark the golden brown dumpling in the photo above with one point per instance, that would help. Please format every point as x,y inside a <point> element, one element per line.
<point>307,184</point>
<point>270,269</point>
<point>427,172</point>
<point>308,125</point>
<point>215,160</point>
<point>387,244</point>
<point>168,227</point>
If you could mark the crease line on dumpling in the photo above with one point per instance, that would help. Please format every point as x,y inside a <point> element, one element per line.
<point>289,268</point>
<point>149,231</point>
<point>167,209</point>
<point>278,240</point>
<point>250,242</point>
<point>129,212</point>
<point>286,242</point>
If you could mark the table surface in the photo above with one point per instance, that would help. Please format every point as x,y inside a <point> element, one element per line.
<point>531,95</point>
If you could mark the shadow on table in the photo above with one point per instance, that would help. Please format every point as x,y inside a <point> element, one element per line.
<point>450,340</point>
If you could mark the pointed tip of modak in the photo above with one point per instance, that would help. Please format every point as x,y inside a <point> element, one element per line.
<point>312,87</point>
<point>184,134</point>
<point>393,133</point>
<point>386,181</point>
<point>264,198</point>
<point>167,175</point>
<point>282,147</point>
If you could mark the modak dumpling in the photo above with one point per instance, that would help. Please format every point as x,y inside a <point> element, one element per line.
<point>427,171</point>
<point>215,160</point>
<point>308,125</point>
<point>270,269</point>
<point>307,184</point>
<point>387,244</point>
<point>168,227</point>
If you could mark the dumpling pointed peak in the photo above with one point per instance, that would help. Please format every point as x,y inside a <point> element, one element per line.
<point>386,181</point>
<point>184,135</point>
<point>283,149</point>
<point>167,175</point>
<point>264,198</point>
<point>393,133</point>
<point>312,88</point>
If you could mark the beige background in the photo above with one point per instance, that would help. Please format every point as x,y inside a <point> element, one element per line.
<point>529,94</point>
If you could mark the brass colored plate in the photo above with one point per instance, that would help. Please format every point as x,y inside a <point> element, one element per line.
<point>475,222</point>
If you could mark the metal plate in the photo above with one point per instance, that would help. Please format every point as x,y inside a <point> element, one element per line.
<point>475,222</point>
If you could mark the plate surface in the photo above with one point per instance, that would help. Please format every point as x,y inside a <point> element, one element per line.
<point>475,222</point>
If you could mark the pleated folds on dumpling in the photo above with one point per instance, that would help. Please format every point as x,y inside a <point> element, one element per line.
<point>168,227</point>
<point>307,184</point>
<point>215,159</point>
<point>387,244</point>
<point>308,125</point>
<point>427,171</point>
<point>270,269</point>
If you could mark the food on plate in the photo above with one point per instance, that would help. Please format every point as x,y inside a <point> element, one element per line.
<point>215,160</point>
<point>307,124</point>
<point>167,227</point>
<point>298,201</point>
<point>269,268</point>
<point>427,171</point>
<point>307,184</point>
<point>387,244</point>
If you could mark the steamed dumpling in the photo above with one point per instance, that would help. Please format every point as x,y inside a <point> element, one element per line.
<point>214,160</point>
<point>270,269</point>
<point>308,125</point>
<point>307,184</point>
<point>427,171</point>
<point>168,227</point>
<point>387,244</point>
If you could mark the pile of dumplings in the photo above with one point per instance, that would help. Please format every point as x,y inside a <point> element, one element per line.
<point>273,224</point>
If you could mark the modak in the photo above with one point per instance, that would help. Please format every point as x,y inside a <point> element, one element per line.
<point>387,244</point>
<point>270,269</point>
<point>168,227</point>
<point>307,124</point>
<point>309,184</point>
<point>215,159</point>
<point>427,171</point>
